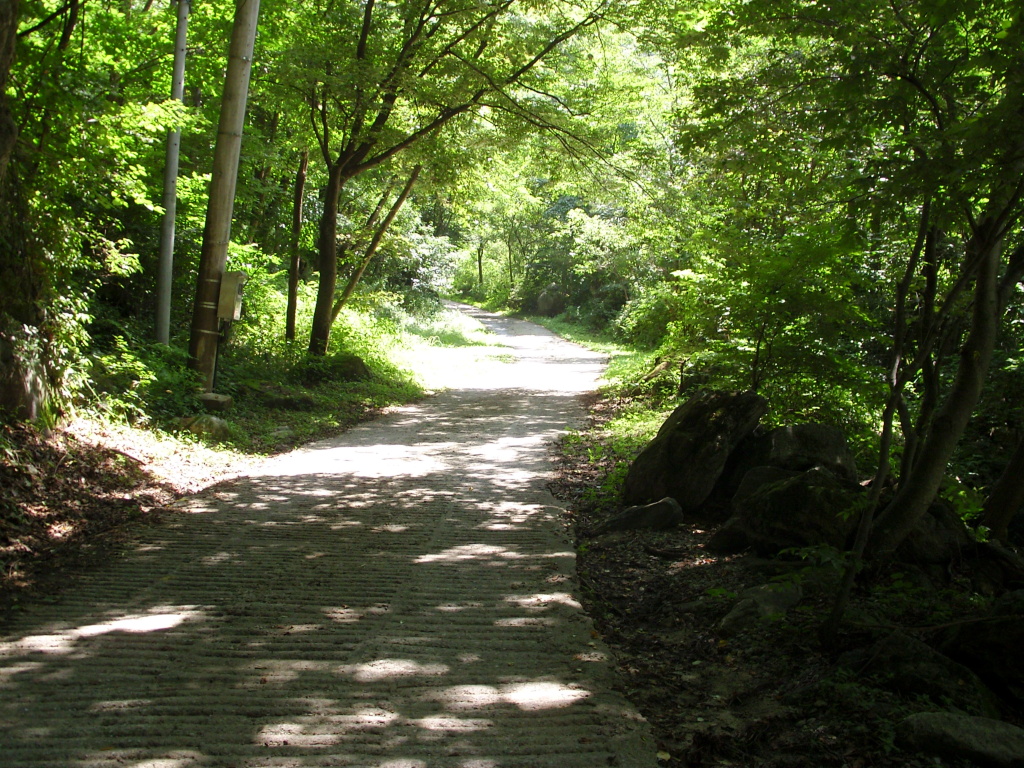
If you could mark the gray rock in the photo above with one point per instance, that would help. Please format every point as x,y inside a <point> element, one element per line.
<point>810,509</point>
<point>775,599</point>
<point>214,402</point>
<point>767,602</point>
<point>551,301</point>
<point>729,539</point>
<point>939,537</point>
<point>205,424</point>
<point>658,516</point>
<point>800,447</point>
<point>906,665</point>
<point>757,480</point>
<point>690,451</point>
<point>992,649</point>
<point>989,743</point>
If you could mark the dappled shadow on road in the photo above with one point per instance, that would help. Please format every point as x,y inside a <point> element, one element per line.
<point>400,596</point>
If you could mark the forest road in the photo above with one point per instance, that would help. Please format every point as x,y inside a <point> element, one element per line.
<point>401,596</point>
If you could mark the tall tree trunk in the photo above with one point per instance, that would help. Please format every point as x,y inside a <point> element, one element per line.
<point>165,269</point>
<point>480,264</point>
<point>8,40</point>
<point>327,247</point>
<point>293,260</point>
<point>1007,496</point>
<point>23,384</point>
<point>205,335</point>
<point>371,249</point>
<point>918,489</point>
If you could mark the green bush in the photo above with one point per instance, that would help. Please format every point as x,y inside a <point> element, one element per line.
<point>644,321</point>
<point>138,382</point>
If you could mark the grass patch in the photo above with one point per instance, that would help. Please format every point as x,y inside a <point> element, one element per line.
<point>448,328</point>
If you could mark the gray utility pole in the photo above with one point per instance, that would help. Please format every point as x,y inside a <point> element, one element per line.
<point>205,336</point>
<point>165,270</point>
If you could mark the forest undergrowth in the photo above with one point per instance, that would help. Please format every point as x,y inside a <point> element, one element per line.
<point>770,696</point>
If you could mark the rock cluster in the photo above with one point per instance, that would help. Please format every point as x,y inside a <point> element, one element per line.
<point>796,487</point>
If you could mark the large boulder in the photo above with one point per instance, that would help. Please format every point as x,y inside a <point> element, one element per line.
<point>910,667</point>
<point>985,742</point>
<point>658,516</point>
<point>691,449</point>
<point>797,448</point>
<point>939,537</point>
<point>205,424</point>
<point>551,301</point>
<point>992,648</point>
<point>777,511</point>
<point>768,602</point>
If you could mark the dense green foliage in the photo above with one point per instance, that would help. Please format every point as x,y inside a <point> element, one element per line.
<point>817,201</point>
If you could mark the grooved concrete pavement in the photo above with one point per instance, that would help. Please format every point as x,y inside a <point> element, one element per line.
<point>401,596</point>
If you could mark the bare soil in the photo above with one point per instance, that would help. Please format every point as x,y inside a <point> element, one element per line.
<point>70,495</point>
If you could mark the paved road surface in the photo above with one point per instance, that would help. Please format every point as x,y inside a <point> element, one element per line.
<point>399,597</point>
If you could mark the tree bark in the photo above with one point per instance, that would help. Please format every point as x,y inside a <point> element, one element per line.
<point>205,335</point>
<point>293,256</point>
<point>371,249</point>
<point>327,249</point>
<point>1006,497</point>
<point>8,39</point>
<point>918,489</point>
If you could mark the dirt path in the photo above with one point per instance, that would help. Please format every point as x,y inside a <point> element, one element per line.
<point>397,597</point>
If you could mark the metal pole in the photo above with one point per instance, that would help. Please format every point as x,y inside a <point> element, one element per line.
<point>217,232</point>
<point>165,269</point>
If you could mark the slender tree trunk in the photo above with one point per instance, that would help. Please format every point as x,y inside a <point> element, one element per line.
<point>918,490</point>
<point>8,40</point>
<point>371,249</point>
<point>480,264</point>
<point>165,269</point>
<point>293,260</point>
<point>327,247</point>
<point>1007,496</point>
<point>23,378</point>
<point>205,335</point>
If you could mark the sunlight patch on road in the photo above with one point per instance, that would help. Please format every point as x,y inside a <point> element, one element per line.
<point>344,614</point>
<point>219,558</point>
<point>525,621</point>
<point>119,705</point>
<point>162,618</point>
<point>386,669</point>
<point>509,515</point>
<point>168,762</point>
<point>509,449</point>
<point>319,730</point>
<point>541,602</point>
<point>294,735</point>
<point>452,723</point>
<point>382,460</point>
<point>525,696</point>
<point>456,607</point>
<point>470,552</point>
<point>17,669</point>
